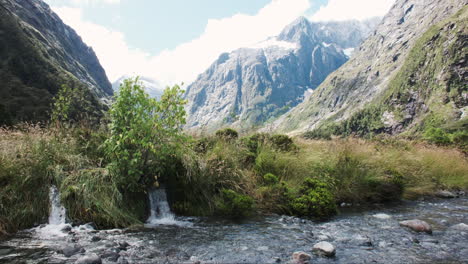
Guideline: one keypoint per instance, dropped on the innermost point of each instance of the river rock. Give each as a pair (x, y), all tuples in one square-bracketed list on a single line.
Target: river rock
[(446, 194), (461, 227), (417, 225), (96, 239), (382, 216), (69, 251), (123, 245), (66, 228), (301, 257), (111, 256), (324, 249), (90, 259)]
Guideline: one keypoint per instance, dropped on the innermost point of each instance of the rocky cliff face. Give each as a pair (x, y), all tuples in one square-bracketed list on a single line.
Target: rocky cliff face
[(380, 68), (247, 87), (39, 53)]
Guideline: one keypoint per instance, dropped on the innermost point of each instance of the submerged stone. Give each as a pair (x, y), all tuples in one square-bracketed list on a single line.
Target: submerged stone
[(301, 257), (90, 259), (417, 225)]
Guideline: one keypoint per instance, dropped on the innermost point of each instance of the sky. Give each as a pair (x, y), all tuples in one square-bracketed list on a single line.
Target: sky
[(173, 41)]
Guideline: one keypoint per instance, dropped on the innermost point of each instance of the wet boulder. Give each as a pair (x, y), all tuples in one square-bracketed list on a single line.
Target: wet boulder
[(446, 194), (89, 259), (66, 228), (460, 227), (69, 251), (324, 249), (96, 239), (301, 257), (123, 245), (417, 225)]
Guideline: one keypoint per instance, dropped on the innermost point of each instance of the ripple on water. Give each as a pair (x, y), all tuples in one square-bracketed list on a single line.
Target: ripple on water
[(359, 237)]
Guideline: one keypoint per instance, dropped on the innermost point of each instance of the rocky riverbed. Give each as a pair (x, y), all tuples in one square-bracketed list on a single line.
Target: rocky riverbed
[(357, 236)]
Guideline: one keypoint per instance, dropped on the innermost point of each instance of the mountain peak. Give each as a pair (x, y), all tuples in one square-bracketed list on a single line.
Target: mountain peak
[(295, 30)]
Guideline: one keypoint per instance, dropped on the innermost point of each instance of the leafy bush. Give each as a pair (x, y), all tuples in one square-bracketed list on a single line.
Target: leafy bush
[(315, 200), (143, 132), (234, 205), (282, 142), (227, 133)]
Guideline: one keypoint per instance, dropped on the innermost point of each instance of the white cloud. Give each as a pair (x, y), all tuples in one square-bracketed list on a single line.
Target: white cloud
[(110, 46), (339, 10), (186, 61)]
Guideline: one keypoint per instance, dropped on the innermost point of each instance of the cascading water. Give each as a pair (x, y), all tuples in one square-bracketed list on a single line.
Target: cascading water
[(57, 225), (57, 211), (160, 213)]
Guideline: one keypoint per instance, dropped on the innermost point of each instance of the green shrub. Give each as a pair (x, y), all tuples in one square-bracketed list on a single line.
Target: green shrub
[(270, 179), (144, 133), (315, 200), (275, 198), (282, 142), (437, 136), (233, 204), (227, 133)]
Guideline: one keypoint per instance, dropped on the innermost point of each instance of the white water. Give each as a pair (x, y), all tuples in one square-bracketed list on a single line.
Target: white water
[(160, 212), (57, 211), (57, 217)]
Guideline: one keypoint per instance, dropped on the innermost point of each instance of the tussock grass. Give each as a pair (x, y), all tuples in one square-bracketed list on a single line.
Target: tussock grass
[(33, 158)]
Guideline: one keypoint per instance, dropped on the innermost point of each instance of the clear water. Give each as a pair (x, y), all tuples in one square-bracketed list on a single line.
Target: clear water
[(360, 236)]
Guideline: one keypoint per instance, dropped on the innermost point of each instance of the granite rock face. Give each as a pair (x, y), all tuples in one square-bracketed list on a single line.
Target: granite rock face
[(250, 85), (369, 75)]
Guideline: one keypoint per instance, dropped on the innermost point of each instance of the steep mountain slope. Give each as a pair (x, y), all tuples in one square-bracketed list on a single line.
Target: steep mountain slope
[(378, 73), (248, 86), (38, 53), (153, 87)]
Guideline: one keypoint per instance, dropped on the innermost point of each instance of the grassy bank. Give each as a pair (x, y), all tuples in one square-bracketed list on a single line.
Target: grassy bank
[(33, 158), (224, 175), (277, 174)]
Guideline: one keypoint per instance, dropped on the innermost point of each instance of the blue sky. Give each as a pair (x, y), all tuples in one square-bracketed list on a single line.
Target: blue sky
[(175, 40)]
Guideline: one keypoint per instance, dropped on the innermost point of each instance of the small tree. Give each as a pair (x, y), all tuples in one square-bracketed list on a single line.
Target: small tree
[(143, 132)]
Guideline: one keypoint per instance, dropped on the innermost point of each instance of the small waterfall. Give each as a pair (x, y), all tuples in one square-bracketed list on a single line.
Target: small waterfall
[(160, 213), (57, 211)]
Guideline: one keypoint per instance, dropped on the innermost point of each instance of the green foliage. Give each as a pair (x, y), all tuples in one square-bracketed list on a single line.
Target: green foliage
[(233, 204), (92, 195), (437, 136), (143, 133), (316, 200), (282, 142), (270, 179), (363, 123), (227, 133), (61, 105)]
